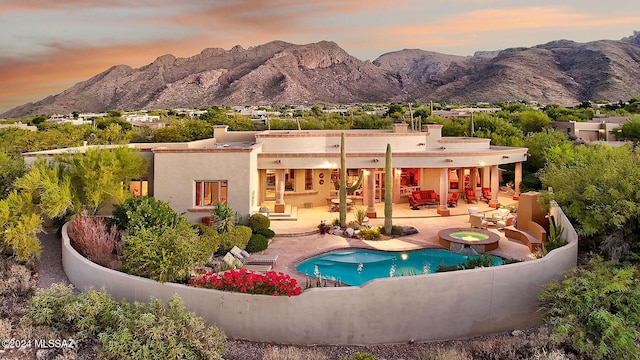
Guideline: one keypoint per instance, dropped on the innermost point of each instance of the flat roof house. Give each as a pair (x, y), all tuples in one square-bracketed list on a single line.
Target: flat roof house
[(249, 169)]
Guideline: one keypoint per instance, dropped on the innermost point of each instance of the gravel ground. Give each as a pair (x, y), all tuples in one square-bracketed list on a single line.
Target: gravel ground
[(50, 271)]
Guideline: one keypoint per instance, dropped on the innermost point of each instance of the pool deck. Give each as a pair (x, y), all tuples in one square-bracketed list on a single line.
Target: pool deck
[(298, 240)]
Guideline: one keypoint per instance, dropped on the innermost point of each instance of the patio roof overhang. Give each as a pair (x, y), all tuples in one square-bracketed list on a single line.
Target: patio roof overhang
[(421, 159)]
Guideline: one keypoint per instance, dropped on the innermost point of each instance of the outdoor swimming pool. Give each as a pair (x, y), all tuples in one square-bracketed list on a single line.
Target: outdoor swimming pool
[(357, 266)]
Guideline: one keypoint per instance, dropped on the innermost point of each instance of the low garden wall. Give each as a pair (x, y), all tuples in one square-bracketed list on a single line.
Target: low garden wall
[(416, 308)]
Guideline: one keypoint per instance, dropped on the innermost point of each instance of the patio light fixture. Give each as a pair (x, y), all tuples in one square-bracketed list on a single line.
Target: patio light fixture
[(448, 160), (505, 156), (278, 161), (376, 160)]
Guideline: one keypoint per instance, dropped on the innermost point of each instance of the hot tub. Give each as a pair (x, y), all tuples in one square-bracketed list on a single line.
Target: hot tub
[(459, 239)]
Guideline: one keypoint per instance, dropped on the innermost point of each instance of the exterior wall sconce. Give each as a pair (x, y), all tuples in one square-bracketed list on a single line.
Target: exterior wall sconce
[(442, 148), (336, 145), (448, 160), (422, 144), (376, 160), (505, 156), (278, 161)]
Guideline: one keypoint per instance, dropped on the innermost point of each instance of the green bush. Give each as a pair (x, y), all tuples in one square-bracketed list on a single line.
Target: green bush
[(167, 256), (259, 222), (595, 310), (209, 235), (257, 243), (471, 263), (395, 230), (145, 213), (237, 236), (268, 233), (126, 330), (369, 234)]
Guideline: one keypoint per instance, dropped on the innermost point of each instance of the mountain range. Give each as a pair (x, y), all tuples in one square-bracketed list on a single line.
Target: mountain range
[(562, 72)]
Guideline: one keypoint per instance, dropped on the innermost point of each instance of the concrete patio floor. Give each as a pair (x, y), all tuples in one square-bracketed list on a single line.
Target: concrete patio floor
[(299, 239)]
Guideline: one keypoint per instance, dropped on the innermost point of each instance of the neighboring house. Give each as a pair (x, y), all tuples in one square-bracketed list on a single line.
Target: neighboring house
[(141, 118), (598, 129), (282, 169)]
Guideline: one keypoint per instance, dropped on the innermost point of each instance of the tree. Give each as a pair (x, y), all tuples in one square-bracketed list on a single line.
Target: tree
[(11, 167), (533, 121), (594, 310), (99, 176), (630, 130), (45, 189), (597, 187)]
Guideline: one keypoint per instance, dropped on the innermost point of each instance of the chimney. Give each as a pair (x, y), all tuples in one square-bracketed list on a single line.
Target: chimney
[(400, 127)]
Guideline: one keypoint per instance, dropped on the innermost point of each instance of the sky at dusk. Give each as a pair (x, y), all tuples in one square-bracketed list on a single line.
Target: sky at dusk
[(46, 46)]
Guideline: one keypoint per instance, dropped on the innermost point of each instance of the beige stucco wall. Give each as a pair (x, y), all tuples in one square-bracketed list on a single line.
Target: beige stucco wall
[(417, 308), (176, 173)]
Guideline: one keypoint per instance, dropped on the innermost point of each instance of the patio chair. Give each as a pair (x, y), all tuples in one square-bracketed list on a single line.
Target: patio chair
[(486, 194), (253, 259), (508, 221), (478, 221), (470, 194), (453, 200), (473, 211), (501, 214)]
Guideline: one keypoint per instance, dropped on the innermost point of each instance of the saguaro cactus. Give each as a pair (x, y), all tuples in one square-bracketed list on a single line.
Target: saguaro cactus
[(388, 191), (343, 183)]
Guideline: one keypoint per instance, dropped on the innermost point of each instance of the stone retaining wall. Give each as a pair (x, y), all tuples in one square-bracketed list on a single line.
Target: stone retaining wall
[(416, 308)]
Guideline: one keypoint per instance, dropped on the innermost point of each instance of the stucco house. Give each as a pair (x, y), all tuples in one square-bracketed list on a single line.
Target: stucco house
[(284, 169)]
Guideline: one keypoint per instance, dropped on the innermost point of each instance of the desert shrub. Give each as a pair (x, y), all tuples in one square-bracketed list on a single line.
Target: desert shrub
[(145, 213), (126, 330), (208, 234), (595, 310), (237, 236), (292, 353), (91, 237), (167, 256), (259, 222), (224, 219), (257, 243), (268, 233), (369, 233), (17, 285), (446, 354), (360, 356)]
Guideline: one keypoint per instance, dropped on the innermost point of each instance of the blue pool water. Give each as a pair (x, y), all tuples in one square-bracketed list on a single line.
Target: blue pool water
[(357, 266)]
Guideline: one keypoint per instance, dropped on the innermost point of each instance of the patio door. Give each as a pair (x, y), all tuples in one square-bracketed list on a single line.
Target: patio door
[(379, 191), (270, 185)]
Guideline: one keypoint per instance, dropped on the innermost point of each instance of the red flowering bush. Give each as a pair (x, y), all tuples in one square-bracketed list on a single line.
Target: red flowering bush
[(271, 283)]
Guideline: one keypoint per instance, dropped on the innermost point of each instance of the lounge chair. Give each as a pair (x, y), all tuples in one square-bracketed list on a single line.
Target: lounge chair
[(453, 200), (470, 194), (486, 194), (478, 221), (258, 268), (253, 259)]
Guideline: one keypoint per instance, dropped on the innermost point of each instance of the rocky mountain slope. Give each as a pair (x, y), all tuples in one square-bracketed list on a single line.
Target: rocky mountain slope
[(561, 72)]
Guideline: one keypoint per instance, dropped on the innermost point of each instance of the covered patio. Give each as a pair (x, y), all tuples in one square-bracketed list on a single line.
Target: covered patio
[(299, 239)]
